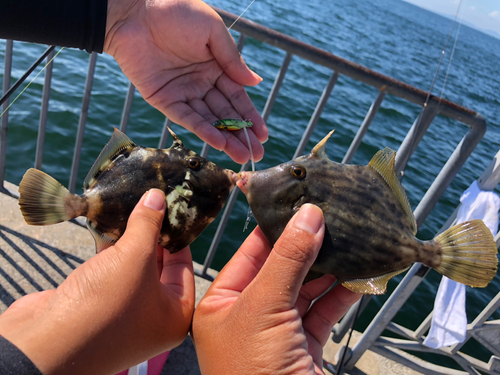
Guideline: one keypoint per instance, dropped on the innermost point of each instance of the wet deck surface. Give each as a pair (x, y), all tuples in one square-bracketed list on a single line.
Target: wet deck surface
[(33, 259)]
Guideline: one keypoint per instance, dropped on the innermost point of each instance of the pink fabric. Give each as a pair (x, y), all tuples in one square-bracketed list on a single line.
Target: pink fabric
[(155, 365)]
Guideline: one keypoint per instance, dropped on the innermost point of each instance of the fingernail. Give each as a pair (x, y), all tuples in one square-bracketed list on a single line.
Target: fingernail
[(155, 199), (309, 218), (257, 76)]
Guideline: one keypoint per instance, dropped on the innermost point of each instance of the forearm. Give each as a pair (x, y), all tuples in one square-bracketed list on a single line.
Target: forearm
[(77, 23)]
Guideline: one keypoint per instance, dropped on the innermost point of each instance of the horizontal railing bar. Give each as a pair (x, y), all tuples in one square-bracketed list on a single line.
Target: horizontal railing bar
[(413, 362), (348, 68)]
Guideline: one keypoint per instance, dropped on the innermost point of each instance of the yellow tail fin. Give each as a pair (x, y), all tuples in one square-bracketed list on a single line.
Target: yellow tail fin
[(42, 199), (469, 254)]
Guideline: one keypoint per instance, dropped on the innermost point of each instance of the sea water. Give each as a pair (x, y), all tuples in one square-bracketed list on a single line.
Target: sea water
[(389, 36)]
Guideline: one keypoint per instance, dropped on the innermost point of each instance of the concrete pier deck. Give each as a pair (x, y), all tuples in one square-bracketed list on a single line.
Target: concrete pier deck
[(33, 259)]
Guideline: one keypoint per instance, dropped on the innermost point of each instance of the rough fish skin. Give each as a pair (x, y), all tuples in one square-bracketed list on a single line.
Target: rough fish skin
[(195, 189), (370, 229)]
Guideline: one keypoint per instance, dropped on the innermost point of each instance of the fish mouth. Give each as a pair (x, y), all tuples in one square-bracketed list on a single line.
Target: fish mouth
[(233, 177), (241, 180), (298, 203)]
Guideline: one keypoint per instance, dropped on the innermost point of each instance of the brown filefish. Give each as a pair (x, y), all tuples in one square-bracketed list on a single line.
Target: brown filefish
[(370, 227), (195, 188)]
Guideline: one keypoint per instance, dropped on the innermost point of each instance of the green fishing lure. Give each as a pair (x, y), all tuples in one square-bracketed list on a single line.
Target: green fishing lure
[(232, 124)]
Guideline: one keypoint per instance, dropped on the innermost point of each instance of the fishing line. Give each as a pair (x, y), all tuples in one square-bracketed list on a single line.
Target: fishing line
[(429, 93), (341, 362), (237, 19), (451, 56), (249, 214), (28, 72)]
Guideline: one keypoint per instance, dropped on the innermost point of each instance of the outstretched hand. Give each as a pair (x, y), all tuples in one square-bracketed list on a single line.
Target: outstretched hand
[(184, 62), (127, 304), (257, 317)]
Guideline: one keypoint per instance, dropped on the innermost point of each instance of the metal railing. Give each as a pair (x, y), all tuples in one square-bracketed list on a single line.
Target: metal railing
[(338, 67)]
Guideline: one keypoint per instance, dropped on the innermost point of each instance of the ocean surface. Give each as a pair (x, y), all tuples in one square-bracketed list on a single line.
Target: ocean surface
[(389, 36)]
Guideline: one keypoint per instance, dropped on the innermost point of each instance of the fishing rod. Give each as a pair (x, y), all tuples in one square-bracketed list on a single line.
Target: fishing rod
[(26, 74)]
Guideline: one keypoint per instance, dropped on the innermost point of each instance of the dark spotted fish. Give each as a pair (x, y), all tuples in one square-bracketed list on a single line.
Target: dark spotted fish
[(370, 227), (195, 188)]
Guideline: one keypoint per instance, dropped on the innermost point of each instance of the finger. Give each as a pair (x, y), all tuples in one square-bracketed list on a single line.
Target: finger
[(183, 114), (143, 227), (177, 273), (203, 109), (236, 141), (257, 148), (327, 311), (225, 51), (243, 266), (281, 277), (239, 99), (311, 291)]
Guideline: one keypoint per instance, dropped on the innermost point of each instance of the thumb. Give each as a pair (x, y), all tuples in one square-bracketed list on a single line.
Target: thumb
[(144, 224), (280, 279)]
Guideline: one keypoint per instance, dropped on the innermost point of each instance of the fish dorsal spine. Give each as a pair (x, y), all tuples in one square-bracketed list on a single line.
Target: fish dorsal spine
[(319, 149), (177, 140), (118, 142), (384, 163)]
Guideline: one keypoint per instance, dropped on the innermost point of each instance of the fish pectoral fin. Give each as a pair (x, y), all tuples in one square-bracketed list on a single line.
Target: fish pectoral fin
[(372, 285), (384, 163), (102, 241), (118, 142)]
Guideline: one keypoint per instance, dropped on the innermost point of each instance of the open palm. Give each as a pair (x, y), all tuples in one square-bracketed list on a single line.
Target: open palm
[(185, 63)]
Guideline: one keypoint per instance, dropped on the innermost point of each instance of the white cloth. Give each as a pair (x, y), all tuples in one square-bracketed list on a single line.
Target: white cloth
[(140, 369), (449, 320)]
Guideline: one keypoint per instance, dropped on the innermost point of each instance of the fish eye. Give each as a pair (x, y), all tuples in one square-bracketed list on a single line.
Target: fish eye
[(194, 164), (298, 171)]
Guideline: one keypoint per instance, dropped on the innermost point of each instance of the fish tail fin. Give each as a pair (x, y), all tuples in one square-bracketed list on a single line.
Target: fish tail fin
[(469, 254), (44, 201)]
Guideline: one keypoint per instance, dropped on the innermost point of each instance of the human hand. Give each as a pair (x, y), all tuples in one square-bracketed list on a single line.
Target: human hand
[(257, 317), (127, 304), (184, 62)]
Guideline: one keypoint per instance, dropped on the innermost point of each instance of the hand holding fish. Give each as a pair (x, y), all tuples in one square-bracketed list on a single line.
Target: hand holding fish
[(185, 63), (123, 306), (257, 316)]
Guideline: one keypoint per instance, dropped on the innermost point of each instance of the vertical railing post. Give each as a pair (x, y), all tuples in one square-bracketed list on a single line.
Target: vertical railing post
[(415, 135), (165, 133), (220, 229), (83, 121), (276, 87), (449, 171), (5, 118), (316, 115), (42, 125), (126, 107), (364, 127)]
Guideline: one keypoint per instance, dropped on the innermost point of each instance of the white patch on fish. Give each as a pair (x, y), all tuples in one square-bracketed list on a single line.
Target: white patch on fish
[(178, 206)]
